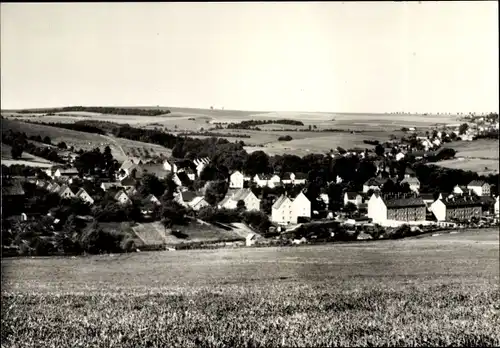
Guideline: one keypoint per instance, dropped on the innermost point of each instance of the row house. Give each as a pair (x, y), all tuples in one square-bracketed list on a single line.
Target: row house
[(397, 207), (269, 180), (234, 196), (287, 211), (294, 178), (479, 187), (461, 208)]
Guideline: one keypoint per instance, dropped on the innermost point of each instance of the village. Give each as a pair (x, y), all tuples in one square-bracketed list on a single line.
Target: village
[(391, 197)]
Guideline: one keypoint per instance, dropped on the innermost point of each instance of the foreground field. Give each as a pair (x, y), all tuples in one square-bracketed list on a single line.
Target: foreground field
[(419, 292)]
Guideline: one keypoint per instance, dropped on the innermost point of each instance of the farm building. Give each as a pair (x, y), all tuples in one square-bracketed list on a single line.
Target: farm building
[(236, 180), (397, 207), (457, 208)]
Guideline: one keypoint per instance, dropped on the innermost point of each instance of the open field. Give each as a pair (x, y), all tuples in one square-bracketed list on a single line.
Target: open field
[(481, 148), (379, 126), (481, 166), (86, 141), (433, 291), (26, 159)]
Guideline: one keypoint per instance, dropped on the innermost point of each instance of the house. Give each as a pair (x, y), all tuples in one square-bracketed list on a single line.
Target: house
[(55, 172), (462, 208), (354, 198), (250, 239), (234, 196), (170, 166), (151, 199), (105, 186), (128, 182), (496, 207), (410, 173), (374, 184), (287, 211), (200, 164), (190, 199), (181, 178), (84, 196), (65, 192), (294, 178), (413, 182), (154, 169), (236, 180), (399, 156), (126, 168), (122, 197), (131, 191), (460, 190), (263, 180), (53, 187), (397, 207), (479, 187), (324, 197), (189, 172)]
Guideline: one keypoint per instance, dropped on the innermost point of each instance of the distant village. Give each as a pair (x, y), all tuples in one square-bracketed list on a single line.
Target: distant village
[(387, 199)]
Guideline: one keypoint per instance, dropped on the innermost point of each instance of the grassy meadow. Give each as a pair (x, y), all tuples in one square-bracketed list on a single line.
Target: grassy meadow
[(432, 291), (26, 159)]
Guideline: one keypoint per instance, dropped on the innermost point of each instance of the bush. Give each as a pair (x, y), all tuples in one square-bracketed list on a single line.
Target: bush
[(285, 138)]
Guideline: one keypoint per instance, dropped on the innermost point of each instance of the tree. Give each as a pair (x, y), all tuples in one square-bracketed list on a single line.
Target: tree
[(463, 128), (16, 151), (350, 208), (257, 163), (240, 205), (379, 150), (389, 186), (47, 140), (150, 184), (215, 192), (62, 145)]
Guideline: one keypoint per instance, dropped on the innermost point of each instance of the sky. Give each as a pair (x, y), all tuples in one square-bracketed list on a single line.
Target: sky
[(296, 56)]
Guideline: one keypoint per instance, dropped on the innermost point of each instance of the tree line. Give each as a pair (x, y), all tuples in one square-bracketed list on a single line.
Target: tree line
[(248, 124), (99, 109)]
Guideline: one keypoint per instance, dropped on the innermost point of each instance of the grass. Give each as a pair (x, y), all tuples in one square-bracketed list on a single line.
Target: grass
[(86, 141), (26, 159), (481, 148), (415, 292), (482, 166)]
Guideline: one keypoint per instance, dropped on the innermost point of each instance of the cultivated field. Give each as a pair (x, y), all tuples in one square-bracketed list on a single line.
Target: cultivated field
[(86, 141), (26, 159), (379, 126), (434, 291), (481, 166)]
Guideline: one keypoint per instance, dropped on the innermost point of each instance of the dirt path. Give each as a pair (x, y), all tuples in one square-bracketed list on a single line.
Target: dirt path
[(113, 140)]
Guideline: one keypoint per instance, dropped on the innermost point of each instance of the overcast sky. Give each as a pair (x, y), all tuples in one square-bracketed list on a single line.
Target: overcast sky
[(352, 57)]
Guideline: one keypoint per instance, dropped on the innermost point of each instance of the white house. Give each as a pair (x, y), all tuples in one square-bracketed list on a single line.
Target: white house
[(287, 211), (107, 185), (399, 156), (190, 199), (294, 178), (170, 166), (263, 180), (479, 187), (200, 164), (496, 207), (353, 197), (250, 239), (122, 198), (84, 196), (198, 202), (324, 197), (246, 195), (374, 184), (189, 172), (461, 190), (236, 180), (413, 182)]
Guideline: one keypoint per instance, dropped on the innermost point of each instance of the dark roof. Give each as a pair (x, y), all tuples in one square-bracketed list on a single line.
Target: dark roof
[(376, 181), (128, 182), (487, 200), (477, 183), (265, 176), (427, 196), (352, 195), (462, 201), (286, 176), (188, 196), (403, 201), (300, 176), (184, 178)]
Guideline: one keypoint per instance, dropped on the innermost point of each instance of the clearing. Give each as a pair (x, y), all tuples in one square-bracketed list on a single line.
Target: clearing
[(433, 291), (26, 159)]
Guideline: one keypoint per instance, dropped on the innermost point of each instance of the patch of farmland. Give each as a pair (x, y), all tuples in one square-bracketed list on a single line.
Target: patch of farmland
[(481, 148), (481, 166), (86, 141), (384, 293), (26, 159)]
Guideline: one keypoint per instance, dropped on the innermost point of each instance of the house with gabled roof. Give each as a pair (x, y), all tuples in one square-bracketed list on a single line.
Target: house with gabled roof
[(53, 187), (462, 208), (122, 197), (374, 184), (461, 190), (236, 180), (151, 199), (496, 207), (65, 192), (287, 211), (190, 199), (56, 171), (128, 182), (189, 172), (269, 180), (84, 196), (355, 198), (479, 187), (294, 178), (385, 208), (105, 186), (234, 196)]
